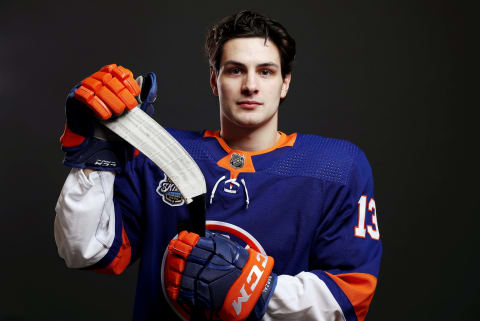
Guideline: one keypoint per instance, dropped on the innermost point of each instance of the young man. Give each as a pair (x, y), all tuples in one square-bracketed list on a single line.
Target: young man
[(292, 220)]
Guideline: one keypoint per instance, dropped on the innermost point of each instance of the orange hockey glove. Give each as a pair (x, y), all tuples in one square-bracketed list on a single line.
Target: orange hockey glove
[(106, 93), (217, 274)]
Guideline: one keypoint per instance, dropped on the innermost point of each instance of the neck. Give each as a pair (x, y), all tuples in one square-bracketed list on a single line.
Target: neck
[(250, 139)]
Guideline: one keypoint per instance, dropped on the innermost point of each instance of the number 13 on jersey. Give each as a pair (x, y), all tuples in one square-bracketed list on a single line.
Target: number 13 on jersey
[(361, 229)]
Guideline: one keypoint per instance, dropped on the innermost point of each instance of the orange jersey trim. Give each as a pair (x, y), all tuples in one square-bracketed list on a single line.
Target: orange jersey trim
[(284, 141), (247, 167), (359, 289), (121, 261)]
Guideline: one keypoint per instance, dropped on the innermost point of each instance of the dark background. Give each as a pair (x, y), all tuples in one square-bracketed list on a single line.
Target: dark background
[(388, 76)]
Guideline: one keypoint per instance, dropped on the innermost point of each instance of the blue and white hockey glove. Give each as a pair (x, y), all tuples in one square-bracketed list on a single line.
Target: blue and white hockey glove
[(217, 274), (104, 94)]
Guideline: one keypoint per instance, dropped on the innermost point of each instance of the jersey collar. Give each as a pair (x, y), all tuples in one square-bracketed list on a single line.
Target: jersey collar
[(284, 141), (246, 157)]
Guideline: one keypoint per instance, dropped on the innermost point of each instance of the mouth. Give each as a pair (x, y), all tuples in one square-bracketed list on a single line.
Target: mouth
[(249, 104)]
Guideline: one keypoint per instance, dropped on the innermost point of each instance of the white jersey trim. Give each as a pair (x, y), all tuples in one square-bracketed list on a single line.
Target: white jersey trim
[(303, 297), (85, 218)]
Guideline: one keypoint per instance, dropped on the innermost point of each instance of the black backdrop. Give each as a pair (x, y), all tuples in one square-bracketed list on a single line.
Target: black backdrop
[(385, 75)]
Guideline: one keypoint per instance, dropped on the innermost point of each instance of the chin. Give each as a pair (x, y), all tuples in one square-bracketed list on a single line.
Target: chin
[(248, 120), (249, 123)]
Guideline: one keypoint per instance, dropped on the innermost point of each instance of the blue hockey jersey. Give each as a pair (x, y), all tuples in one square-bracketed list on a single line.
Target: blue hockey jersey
[(308, 202)]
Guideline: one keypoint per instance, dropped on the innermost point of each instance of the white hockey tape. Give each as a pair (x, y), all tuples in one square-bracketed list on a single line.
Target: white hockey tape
[(145, 134)]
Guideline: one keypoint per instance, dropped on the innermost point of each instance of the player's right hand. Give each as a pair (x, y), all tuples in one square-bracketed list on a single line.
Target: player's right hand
[(109, 91), (102, 95)]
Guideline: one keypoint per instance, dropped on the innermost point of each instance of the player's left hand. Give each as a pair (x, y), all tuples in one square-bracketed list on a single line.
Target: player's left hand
[(216, 273)]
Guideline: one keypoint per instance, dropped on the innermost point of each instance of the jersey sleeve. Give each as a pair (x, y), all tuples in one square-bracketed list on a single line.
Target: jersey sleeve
[(98, 220), (344, 258), (84, 225), (128, 211)]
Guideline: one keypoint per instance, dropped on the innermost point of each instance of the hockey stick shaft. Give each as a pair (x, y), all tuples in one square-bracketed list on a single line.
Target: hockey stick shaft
[(150, 138)]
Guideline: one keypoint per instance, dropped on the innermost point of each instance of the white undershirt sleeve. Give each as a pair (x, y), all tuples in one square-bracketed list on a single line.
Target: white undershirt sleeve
[(84, 225), (302, 297)]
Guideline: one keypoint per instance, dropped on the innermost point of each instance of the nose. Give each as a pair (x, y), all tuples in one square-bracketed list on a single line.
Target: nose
[(249, 85)]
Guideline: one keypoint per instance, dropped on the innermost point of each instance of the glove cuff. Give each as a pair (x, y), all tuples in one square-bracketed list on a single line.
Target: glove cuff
[(262, 303), (247, 289), (99, 155), (148, 95)]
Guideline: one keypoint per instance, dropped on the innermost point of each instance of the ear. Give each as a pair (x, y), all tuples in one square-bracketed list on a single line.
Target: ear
[(285, 85), (213, 81)]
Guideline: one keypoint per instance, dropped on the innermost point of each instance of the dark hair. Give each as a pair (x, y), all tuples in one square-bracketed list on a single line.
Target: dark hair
[(249, 24)]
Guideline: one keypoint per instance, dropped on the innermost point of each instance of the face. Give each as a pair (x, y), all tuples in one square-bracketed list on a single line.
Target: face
[(249, 83)]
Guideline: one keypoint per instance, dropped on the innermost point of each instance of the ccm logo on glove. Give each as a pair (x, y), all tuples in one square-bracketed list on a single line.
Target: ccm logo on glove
[(255, 271)]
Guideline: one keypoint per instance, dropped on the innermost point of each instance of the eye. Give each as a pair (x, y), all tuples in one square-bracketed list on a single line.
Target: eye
[(234, 71), (266, 72)]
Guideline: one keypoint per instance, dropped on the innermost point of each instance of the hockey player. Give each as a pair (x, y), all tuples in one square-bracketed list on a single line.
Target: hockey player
[(291, 219)]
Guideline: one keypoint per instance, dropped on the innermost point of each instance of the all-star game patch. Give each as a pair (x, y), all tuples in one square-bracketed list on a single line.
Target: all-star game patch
[(169, 192)]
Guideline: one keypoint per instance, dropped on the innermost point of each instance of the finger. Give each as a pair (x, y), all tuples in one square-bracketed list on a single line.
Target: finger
[(104, 77), (132, 86), (109, 91), (88, 97), (123, 93), (174, 278), (92, 83), (126, 96), (176, 263), (108, 68), (111, 100), (121, 72), (126, 78), (96, 84), (179, 248), (189, 238), (172, 292), (99, 79)]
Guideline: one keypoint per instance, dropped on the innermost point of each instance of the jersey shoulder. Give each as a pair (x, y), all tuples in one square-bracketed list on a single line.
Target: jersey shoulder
[(328, 159), (192, 141)]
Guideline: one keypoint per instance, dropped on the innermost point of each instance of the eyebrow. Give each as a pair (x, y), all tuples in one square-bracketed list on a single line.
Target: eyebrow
[(236, 63)]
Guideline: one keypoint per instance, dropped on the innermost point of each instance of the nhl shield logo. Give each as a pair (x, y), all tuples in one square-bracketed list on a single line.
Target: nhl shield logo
[(237, 160), (169, 192)]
